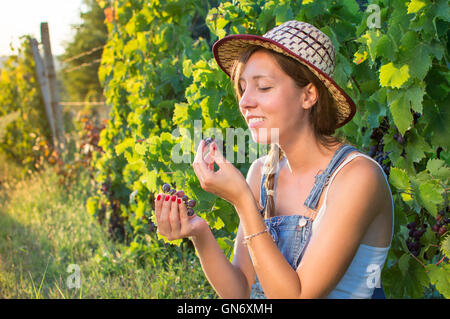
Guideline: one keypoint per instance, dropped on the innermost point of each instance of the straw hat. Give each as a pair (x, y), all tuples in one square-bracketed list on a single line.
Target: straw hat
[(299, 40)]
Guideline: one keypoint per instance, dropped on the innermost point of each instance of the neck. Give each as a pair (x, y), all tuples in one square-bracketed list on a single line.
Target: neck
[(304, 154)]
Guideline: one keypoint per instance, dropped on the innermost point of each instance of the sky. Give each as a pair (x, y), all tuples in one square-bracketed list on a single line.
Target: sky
[(20, 17)]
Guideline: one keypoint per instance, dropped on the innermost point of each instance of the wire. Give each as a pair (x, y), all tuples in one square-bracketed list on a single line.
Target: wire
[(83, 54), (82, 65)]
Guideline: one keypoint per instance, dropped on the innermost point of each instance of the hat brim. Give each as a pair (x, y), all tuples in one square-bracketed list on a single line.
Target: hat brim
[(228, 49)]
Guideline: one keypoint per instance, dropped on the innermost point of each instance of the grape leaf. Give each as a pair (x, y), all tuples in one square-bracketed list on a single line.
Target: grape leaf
[(430, 195), (415, 96), (401, 113), (438, 169), (416, 54), (445, 246), (385, 48), (415, 5), (399, 178), (392, 76), (440, 277), (417, 146)]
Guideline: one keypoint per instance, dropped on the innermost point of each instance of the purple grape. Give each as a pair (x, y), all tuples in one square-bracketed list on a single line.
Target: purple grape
[(411, 225), (190, 211), (180, 194), (435, 228), (208, 141), (166, 188), (372, 151), (172, 191), (192, 203), (185, 198)]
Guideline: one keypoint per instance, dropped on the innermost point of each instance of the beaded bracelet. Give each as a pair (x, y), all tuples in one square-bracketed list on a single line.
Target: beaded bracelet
[(247, 238)]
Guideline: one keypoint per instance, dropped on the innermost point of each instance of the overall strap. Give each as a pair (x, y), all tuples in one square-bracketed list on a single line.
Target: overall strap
[(322, 180)]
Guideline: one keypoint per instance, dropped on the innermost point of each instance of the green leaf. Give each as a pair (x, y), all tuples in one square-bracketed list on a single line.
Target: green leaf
[(415, 96), (445, 246), (401, 113), (417, 146), (141, 148), (92, 205), (416, 54), (437, 119), (399, 178), (415, 5), (430, 194), (403, 264), (149, 179), (438, 169), (127, 143), (393, 77), (385, 48), (187, 68), (440, 277)]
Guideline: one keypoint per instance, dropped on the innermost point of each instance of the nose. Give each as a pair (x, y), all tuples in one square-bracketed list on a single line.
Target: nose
[(247, 99)]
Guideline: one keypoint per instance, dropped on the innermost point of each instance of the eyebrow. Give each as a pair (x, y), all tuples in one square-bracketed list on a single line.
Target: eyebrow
[(255, 77)]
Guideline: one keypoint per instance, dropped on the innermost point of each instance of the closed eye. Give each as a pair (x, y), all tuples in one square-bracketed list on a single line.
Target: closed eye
[(265, 88)]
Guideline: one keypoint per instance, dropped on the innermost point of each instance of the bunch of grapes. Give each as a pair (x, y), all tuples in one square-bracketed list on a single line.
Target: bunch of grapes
[(190, 203), (413, 242), (377, 151), (441, 221)]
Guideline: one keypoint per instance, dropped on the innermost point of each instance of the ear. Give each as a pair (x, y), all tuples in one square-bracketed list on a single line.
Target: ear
[(310, 95)]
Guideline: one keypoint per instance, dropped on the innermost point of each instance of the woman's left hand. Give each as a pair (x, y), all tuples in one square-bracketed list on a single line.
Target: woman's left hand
[(227, 183)]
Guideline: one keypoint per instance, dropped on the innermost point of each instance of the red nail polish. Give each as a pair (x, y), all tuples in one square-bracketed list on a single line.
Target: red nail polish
[(174, 198), (167, 198), (159, 197), (179, 200)]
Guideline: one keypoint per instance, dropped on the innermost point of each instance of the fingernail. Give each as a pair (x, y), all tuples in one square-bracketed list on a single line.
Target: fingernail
[(179, 200), (167, 198), (159, 197), (174, 198)]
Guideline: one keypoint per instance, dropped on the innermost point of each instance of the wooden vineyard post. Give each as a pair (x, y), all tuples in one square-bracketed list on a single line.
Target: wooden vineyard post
[(54, 97), (45, 90)]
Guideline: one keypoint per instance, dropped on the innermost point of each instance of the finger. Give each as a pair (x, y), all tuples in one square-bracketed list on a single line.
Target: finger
[(217, 155), (164, 224), (199, 165), (174, 217), (209, 160), (158, 205), (184, 219)]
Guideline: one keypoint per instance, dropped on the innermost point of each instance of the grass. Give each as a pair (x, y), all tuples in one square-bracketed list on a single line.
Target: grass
[(45, 228)]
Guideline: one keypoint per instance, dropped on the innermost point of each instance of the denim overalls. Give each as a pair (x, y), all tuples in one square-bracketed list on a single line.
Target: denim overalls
[(292, 233)]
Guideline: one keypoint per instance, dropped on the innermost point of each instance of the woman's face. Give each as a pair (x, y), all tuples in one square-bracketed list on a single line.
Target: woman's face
[(270, 94)]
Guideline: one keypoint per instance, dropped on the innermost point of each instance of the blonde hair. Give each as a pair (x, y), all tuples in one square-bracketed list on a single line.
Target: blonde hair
[(323, 115)]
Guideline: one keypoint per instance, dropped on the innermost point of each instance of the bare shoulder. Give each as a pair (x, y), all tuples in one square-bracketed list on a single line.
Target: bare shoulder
[(362, 178)]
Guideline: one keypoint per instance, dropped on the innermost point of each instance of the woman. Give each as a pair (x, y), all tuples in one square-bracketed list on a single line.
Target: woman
[(328, 209)]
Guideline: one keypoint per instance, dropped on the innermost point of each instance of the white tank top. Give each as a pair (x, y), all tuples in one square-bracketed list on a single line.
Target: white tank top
[(363, 274)]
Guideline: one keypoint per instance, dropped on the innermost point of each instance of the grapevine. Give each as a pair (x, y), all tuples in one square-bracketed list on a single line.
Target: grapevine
[(160, 76)]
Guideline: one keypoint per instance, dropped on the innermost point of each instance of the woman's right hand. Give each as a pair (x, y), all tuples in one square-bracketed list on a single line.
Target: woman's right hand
[(173, 221)]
